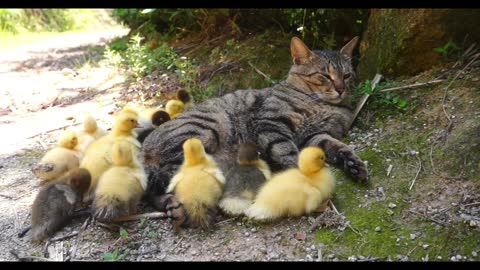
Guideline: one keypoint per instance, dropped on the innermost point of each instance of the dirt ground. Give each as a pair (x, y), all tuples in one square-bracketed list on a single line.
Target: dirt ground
[(46, 84)]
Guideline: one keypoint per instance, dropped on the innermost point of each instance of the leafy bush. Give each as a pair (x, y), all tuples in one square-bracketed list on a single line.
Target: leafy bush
[(380, 98)]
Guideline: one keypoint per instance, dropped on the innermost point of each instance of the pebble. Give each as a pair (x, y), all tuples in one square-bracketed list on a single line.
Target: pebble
[(453, 259), (331, 256), (413, 152), (263, 250), (308, 249), (254, 230), (247, 234), (216, 254), (413, 236), (194, 252), (352, 258), (473, 223), (378, 229), (392, 205), (239, 224), (312, 247), (309, 257), (459, 257), (425, 246), (390, 212), (474, 254)]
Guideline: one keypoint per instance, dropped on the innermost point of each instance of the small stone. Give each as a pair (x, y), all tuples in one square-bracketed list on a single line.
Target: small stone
[(453, 259), (308, 249), (312, 247), (378, 229), (247, 234), (194, 252), (388, 160), (331, 256), (253, 230), (473, 223), (398, 239), (216, 254), (459, 257), (263, 250), (361, 257), (309, 257), (425, 246), (392, 205), (464, 257), (474, 254), (352, 258), (390, 212), (413, 152), (439, 257), (413, 236), (239, 224)]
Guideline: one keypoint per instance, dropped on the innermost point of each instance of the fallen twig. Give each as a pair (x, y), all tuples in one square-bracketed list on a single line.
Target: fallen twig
[(418, 172), (411, 86), (430, 218), (6, 196), (471, 204), (75, 246), (225, 221), (28, 258), (140, 216), (365, 97), (64, 237), (348, 223), (62, 127), (260, 72), (412, 250)]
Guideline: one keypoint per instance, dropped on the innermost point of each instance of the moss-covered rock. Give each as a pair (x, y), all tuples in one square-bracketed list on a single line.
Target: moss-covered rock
[(401, 41)]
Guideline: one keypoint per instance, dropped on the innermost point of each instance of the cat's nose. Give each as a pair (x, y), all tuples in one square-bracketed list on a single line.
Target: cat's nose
[(339, 87)]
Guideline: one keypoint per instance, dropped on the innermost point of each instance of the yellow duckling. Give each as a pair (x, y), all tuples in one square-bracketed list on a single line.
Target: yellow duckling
[(158, 118), (59, 160), (198, 184), (295, 192), (98, 156), (244, 180), (88, 134), (121, 187), (174, 108)]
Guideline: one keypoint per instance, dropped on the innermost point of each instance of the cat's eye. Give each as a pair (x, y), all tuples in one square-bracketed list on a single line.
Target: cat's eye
[(327, 76), (346, 76)]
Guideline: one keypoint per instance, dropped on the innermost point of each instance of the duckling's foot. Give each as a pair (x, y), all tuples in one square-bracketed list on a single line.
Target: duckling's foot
[(353, 165), (176, 212), (322, 207)]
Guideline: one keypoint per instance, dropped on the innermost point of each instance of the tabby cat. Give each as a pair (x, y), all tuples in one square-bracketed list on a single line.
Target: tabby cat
[(308, 108)]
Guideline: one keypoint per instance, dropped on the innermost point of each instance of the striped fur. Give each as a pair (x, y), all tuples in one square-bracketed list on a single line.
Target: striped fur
[(308, 108)]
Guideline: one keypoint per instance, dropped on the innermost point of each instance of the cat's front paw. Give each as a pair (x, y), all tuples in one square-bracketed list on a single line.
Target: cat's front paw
[(353, 165)]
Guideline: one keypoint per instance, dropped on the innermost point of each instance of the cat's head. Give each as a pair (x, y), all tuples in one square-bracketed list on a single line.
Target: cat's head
[(327, 75)]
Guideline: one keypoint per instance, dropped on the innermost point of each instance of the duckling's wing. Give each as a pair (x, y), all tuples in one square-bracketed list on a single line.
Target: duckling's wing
[(216, 172), (173, 182)]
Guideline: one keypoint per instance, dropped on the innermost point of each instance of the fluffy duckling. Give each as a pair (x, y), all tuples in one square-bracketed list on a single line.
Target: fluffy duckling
[(59, 160), (158, 118), (88, 134), (174, 107), (197, 185), (295, 192), (121, 187), (98, 156), (185, 97), (244, 180), (55, 203)]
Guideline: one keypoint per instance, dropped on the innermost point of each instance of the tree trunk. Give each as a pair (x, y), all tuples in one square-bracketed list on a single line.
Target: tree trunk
[(401, 41)]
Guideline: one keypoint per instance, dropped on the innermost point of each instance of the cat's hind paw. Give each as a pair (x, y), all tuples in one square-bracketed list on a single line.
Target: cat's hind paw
[(354, 166)]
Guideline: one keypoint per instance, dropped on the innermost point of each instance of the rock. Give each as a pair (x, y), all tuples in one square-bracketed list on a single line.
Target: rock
[(474, 254), (253, 230), (194, 252), (459, 257), (413, 236), (301, 236), (312, 247), (331, 256), (425, 246), (392, 205), (473, 223), (247, 234), (378, 229), (439, 257), (309, 257), (390, 212), (352, 258), (308, 249)]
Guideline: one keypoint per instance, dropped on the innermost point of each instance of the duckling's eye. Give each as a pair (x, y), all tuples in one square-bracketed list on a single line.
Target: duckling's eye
[(131, 120)]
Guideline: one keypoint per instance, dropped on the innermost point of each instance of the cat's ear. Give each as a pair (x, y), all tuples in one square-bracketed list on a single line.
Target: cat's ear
[(348, 48), (300, 52)]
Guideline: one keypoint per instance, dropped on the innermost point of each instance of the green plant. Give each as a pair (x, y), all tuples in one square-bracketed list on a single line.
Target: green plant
[(448, 49), (152, 235), (123, 233), (114, 256), (380, 98)]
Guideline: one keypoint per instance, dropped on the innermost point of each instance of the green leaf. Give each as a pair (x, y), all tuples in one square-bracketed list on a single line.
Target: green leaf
[(123, 233), (403, 103)]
